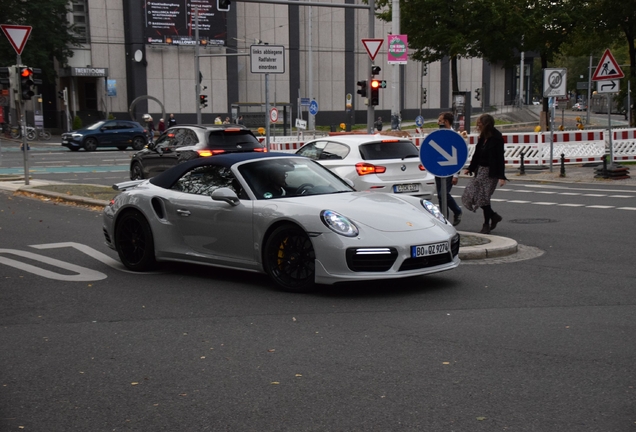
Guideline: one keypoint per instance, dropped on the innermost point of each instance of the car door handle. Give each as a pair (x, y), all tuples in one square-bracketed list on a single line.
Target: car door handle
[(183, 212)]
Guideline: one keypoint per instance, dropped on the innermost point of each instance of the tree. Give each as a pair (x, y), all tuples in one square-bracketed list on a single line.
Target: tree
[(51, 37), (437, 29)]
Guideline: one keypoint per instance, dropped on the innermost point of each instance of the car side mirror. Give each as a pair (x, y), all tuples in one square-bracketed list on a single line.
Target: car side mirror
[(227, 195)]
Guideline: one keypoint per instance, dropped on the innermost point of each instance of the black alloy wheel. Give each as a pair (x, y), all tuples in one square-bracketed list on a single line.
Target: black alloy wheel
[(90, 144), (136, 173), (135, 245), (289, 259), (138, 143)]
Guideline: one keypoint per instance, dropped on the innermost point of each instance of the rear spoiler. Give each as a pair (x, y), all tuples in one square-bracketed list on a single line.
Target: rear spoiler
[(127, 185)]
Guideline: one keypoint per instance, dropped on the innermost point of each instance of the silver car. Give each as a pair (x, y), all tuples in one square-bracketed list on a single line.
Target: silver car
[(279, 214), (377, 163)]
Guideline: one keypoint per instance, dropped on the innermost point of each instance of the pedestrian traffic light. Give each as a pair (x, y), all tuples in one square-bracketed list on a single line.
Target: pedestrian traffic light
[(424, 95), (375, 92), (27, 84), (223, 5), (375, 70), (362, 91), (478, 94), (203, 101)]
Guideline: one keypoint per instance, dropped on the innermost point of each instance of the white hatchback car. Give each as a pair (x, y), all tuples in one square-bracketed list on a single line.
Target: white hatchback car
[(377, 163)]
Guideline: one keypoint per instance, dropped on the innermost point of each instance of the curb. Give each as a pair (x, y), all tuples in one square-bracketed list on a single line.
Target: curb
[(497, 247)]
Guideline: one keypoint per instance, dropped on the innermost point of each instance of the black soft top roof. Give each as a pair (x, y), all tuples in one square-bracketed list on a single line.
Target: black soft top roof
[(168, 178)]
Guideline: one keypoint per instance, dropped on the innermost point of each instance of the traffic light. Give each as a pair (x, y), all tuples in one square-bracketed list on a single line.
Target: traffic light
[(223, 5), (62, 94), (424, 95), (478, 94), (5, 77), (27, 85), (375, 92), (375, 70), (203, 101), (362, 91)]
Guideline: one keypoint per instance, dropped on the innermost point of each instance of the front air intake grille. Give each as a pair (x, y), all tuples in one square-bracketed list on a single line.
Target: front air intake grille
[(425, 262), (455, 245), (371, 259)]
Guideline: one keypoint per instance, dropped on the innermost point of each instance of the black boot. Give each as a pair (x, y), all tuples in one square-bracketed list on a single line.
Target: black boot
[(495, 219), (485, 229)]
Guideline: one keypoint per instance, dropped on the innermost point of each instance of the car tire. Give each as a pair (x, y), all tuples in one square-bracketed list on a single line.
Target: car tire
[(136, 172), (289, 259), (134, 242), (138, 143), (122, 148), (90, 144)]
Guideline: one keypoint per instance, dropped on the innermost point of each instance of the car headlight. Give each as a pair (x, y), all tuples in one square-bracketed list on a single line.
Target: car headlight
[(434, 210), (76, 135), (338, 223)]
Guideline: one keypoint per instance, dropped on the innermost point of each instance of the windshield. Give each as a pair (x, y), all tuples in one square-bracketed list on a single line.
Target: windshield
[(388, 149), (230, 140), (290, 177)]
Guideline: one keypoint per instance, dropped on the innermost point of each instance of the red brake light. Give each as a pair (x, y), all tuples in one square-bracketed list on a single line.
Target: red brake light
[(421, 167), (389, 140), (206, 153), (363, 168), (233, 130), (260, 149)]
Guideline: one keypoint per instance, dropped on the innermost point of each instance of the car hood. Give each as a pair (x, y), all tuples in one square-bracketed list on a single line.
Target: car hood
[(380, 211)]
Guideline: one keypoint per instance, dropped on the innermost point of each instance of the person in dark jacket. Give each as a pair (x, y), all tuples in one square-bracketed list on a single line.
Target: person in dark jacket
[(489, 167), (172, 121)]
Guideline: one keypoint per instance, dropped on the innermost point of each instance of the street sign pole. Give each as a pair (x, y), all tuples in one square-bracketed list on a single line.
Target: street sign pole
[(267, 111)]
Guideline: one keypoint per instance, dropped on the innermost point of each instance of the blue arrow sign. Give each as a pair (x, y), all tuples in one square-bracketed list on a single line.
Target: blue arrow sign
[(443, 152), (313, 107), (419, 121)]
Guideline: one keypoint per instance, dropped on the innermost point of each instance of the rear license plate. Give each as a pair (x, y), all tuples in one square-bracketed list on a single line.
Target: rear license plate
[(411, 187), (426, 250)]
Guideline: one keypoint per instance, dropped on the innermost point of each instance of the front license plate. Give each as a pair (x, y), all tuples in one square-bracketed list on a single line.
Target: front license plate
[(426, 250), (411, 187)]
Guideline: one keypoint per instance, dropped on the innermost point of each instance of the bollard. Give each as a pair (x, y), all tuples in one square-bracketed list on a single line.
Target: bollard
[(605, 173), (562, 174), (522, 168)]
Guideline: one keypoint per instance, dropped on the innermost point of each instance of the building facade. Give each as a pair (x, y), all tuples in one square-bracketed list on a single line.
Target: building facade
[(138, 48)]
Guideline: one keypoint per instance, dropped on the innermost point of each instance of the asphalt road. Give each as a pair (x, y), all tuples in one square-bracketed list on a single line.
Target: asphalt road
[(539, 344)]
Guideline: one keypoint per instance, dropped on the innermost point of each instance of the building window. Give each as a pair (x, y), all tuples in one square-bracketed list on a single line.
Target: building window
[(79, 18)]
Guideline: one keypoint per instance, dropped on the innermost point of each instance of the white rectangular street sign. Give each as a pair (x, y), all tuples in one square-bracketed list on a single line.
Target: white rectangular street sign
[(301, 124), (267, 59), (608, 86), (554, 82)]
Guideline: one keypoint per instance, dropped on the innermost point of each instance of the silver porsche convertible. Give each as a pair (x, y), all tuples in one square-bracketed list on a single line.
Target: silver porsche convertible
[(279, 214)]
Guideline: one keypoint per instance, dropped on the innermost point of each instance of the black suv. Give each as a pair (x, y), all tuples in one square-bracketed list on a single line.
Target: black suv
[(182, 143)]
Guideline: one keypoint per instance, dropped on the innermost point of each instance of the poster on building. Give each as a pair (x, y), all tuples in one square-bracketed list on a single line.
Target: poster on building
[(111, 88), (171, 22), (398, 51)]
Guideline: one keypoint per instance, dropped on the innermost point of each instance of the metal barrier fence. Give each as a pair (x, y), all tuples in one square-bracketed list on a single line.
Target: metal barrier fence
[(577, 147)]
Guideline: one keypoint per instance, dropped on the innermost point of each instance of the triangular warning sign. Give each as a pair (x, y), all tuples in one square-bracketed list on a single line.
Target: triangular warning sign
[(17, 35), (372, 46), (607, 68)]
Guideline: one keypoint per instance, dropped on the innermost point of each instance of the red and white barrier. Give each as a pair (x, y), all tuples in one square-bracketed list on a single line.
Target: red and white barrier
[(576, 146)]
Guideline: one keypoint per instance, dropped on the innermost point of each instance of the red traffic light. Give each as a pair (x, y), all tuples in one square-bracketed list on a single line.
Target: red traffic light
[(375, 84), (26, 72)]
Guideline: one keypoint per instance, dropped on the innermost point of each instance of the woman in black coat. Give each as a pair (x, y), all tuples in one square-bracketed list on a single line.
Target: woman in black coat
[(489, 167)]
